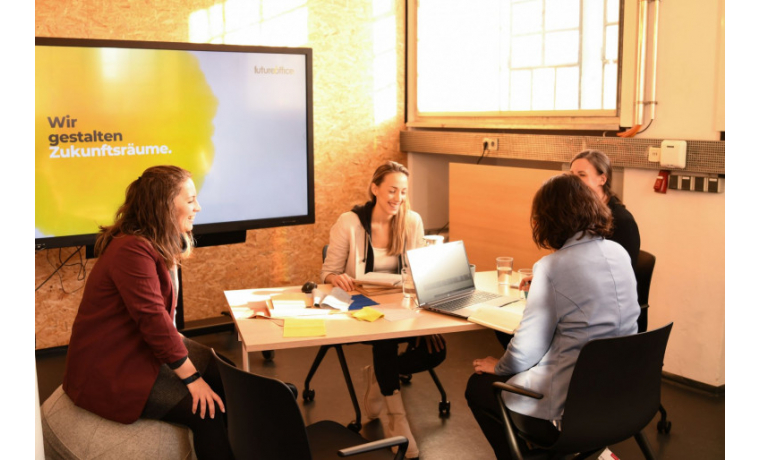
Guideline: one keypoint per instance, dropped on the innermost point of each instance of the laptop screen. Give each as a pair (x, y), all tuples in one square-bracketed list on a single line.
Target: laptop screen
[(440, 271)]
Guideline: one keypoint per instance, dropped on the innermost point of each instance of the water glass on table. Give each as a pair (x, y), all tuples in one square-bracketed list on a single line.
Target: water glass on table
[(407, 284), (504, 269), (521, 275)]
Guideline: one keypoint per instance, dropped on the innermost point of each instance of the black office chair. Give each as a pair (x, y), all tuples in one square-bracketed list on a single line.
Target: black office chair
[(643, 270), (264, 422), (613, 394), (444, 405)]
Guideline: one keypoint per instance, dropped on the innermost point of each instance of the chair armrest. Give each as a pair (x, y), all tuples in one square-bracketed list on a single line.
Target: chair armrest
[(517, 390), (399, 441)]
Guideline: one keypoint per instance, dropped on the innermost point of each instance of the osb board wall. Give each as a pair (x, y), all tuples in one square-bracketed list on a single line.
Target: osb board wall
[(348, 146)]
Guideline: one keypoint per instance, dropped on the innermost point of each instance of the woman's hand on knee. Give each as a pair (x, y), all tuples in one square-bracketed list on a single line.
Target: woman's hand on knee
[(204, 397), (487, 365)]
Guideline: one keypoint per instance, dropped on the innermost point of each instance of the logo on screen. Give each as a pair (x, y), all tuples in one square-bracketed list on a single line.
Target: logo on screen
[(274, 70)]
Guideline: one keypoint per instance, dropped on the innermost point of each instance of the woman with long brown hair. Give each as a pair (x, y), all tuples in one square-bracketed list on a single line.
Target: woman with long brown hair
[(126, 360), (595, 170), (374, 237)]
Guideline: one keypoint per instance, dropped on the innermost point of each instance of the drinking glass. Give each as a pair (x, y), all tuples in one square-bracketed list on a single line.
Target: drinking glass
[(504, 269)]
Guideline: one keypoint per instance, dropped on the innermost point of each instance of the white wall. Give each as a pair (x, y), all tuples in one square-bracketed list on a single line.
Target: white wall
[(684, 230)]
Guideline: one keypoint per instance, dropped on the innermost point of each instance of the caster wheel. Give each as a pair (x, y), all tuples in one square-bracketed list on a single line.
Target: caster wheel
[(308, 395), (405, 379), (356, 427), (444, 409), (268, 355), (663, 427)]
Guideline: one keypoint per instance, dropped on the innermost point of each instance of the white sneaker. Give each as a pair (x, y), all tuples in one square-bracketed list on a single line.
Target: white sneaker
[(373, 398)]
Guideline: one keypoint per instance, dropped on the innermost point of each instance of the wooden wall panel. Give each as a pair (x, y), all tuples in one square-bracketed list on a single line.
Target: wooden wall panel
[(349, 142), (489, 209)]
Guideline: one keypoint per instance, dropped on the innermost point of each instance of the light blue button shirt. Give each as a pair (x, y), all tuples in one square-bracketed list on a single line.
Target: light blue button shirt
[(586, 290)]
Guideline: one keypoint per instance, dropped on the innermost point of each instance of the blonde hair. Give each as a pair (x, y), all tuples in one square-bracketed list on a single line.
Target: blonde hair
[(149, 212), (398, 222)]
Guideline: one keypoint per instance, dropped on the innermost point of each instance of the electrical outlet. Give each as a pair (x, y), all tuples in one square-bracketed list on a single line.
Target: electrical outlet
[(654, 154), (491, 144)]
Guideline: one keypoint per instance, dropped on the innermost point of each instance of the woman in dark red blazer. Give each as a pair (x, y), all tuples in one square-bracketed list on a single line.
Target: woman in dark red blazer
[(126, 359)]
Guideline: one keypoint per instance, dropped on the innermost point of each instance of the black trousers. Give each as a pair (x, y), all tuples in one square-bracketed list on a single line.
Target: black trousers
[(209, 435), (389, 363), (485, 409)]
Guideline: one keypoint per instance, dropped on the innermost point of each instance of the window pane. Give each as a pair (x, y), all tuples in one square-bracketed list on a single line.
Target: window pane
[(562, 48), (526, 51), (514, 55), (613, 10), (543, 89), (519, 92), (611, 43), (562, 14), (527, 17), (610, 86), (447, 64), (567, 88)]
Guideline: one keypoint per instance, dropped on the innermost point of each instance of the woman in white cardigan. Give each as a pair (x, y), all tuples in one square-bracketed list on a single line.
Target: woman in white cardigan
[(374, 237)]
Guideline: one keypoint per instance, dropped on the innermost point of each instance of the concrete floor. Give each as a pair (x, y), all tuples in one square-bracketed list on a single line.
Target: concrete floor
[(698, 418)]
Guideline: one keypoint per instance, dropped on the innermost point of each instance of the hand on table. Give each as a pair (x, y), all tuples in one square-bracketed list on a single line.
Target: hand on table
[(342, 281), (486, 365), (525, 283), (204, 397)]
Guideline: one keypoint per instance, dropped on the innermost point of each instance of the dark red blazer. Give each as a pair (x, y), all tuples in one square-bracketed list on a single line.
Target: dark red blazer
[(123, 331)]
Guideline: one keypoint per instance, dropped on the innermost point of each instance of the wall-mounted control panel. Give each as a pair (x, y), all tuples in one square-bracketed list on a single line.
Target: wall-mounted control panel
[(696, 183)]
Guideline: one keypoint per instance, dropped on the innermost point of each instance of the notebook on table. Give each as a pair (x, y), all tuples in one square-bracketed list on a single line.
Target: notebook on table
[(444, 284)]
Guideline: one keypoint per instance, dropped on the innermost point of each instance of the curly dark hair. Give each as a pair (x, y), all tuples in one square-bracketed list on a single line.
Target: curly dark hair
[(564, 206)]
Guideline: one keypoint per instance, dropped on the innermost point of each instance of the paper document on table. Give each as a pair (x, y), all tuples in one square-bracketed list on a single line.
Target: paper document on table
[(304, 327), (252, 310), (379, 279), (504, 319), (337, 299)]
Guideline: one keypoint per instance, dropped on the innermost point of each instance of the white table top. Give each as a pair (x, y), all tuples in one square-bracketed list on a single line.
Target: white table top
[(264, 334)]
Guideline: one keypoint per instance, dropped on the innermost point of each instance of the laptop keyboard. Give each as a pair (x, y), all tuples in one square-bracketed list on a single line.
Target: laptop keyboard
[(472, 299)]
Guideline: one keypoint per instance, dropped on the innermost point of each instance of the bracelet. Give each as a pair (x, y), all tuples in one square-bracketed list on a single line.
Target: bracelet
[(192, 378)]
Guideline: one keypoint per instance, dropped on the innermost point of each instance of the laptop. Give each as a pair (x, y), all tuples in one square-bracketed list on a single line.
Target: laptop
[(444, 283)]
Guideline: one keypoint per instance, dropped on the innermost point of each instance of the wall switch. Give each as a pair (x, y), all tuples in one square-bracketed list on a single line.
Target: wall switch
[(654, 154)]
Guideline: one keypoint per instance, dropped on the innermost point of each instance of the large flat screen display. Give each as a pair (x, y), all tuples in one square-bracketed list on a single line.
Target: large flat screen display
[(239, 118)]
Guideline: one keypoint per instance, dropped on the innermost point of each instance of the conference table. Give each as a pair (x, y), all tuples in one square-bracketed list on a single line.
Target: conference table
[(260, 334), (401, 319)]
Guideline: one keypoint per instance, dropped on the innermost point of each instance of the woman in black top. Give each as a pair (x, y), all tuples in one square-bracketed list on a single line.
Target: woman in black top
[(594, 168)]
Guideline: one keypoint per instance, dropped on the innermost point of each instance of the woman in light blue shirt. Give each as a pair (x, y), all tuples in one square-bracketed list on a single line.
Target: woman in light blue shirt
[(584, 290)]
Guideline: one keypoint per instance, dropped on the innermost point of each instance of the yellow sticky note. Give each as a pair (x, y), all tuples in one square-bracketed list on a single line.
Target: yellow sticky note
[(367, 314), (304, 327)]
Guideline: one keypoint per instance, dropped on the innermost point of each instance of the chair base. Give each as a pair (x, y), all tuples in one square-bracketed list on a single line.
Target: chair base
[(444, 405)]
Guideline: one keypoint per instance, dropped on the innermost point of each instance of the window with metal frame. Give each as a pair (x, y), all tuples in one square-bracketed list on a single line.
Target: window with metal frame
[(514, 63)]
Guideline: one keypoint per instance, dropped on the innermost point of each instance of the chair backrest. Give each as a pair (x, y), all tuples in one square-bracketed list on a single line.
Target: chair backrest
[(263, 418), (324, 252), (643, 271), (614, 391)]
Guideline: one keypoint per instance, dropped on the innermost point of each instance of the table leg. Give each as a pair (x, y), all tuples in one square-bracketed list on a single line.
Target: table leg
[(244, 357)]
